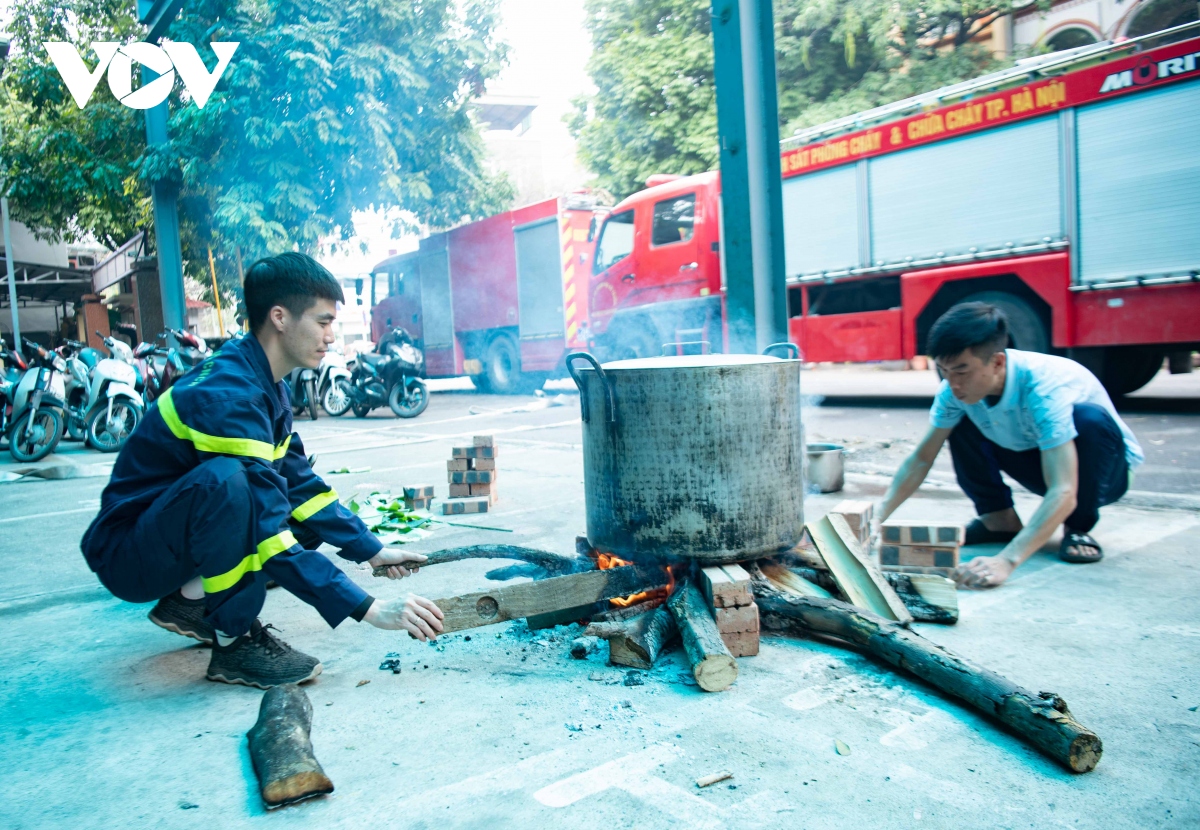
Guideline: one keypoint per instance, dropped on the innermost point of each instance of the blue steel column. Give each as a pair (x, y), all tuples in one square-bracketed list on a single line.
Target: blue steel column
[(752, 200)]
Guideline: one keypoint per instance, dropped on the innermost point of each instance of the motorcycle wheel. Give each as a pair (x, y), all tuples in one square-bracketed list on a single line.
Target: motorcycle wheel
[(360, 410), (76, 427), (408, 405), (336, 400), (310, 393), (108, 436), (47, 429)]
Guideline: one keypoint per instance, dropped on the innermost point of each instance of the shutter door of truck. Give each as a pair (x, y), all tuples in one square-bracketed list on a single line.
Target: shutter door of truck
[(539, 280), (1139, 184), (437, 313), (980, 191), (820, 221)]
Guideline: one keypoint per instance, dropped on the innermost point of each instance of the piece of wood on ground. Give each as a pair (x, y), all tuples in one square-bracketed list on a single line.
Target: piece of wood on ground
[(721, 590), (1042, 720), (578, 614), (918, 569), (928, 598), (472, 504), (858, 580), (858, 515), (709, 780), (281, 749), (618, 613), (555, 594), (786, 579), (712, 665), (554, 564), (908, 532), (637, 642)]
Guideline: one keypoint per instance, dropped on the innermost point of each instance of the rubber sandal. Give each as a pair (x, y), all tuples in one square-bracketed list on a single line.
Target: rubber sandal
[(1079, 541), (978, 534)]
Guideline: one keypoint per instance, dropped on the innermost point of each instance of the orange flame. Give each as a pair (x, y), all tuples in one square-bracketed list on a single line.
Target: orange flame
[(607, 560)]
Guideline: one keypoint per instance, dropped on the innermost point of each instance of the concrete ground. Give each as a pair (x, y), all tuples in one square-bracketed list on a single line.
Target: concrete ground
[(108, 720)]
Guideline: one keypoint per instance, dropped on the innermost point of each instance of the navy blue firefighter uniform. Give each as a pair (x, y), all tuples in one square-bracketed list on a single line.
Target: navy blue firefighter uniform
[(213, 483)]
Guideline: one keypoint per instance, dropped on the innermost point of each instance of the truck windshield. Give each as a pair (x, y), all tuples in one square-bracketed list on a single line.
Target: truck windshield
[(616, 241)]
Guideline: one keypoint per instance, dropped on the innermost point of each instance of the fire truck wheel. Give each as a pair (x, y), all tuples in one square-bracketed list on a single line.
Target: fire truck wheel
[(480, 382), (1025, 328), (502, 366), (1129, 368)]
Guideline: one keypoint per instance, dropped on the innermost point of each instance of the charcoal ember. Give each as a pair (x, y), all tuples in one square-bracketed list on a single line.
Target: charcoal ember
[(391, 663), (634, 678)]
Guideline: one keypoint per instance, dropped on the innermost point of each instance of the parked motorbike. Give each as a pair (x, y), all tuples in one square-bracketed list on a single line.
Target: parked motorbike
[(161, 366), (114, 406), (332, 395), (391, 378), (13, 368), (81, 359), (302, 387), (38, 408)]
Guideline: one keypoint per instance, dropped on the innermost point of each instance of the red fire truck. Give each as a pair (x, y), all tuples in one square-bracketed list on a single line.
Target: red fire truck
[(502, 299), (1065, 190)]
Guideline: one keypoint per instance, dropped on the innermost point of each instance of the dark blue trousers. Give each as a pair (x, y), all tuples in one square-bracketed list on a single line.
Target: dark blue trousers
[(203, 523), (1103, 469)]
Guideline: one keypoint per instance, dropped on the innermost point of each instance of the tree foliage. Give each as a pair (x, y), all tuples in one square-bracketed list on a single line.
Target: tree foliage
[(328, 106), (654, 109)]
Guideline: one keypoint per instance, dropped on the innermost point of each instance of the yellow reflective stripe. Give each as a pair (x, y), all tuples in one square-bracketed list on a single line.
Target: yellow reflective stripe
[(254, 562), (314, 505), (247, 447)]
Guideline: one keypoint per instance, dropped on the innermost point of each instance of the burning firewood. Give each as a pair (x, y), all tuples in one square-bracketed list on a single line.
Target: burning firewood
[(712, 665), (281, 750), (554, 564), (637, 642), (1043, 720)]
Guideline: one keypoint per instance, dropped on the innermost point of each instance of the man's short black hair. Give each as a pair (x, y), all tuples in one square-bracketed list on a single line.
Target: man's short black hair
[(980, 327), (294, 281)]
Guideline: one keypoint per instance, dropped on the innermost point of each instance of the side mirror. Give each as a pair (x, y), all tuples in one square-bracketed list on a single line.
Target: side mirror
[(358, 285)]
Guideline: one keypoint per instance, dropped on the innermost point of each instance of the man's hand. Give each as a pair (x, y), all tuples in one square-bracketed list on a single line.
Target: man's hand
[(400, 563), (420, 617), (984, 572)]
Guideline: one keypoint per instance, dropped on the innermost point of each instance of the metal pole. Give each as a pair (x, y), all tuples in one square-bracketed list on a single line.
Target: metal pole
[(166, 224), (751, 190), (8, 266), (212, 269)]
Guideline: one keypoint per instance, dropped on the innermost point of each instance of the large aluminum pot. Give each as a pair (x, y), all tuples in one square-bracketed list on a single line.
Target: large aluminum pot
[(692, 457)]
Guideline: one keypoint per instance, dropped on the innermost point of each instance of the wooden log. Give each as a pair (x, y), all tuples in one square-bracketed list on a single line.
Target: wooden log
[(281, 750), (1043, 720), (554, 564), (712, 665), (628, 612), (931, 599), (555, 594), (857, 578), (637, 642)]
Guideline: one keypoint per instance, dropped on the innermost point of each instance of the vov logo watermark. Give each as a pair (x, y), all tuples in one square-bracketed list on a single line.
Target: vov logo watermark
[(166, 60)]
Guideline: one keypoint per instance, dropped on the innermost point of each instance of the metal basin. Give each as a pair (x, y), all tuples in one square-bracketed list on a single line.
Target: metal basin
[(692, 457), (826, 467)]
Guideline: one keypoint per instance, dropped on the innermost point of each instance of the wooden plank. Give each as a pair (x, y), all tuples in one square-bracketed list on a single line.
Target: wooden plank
[(784, 579), (544, 596), (858, 580)]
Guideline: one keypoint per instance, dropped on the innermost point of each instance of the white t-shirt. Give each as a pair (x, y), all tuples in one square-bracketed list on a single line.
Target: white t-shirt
[(1036, 410)]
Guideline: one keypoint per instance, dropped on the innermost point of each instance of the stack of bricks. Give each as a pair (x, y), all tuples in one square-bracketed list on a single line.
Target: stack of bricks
[(418, 498), (727, 589), (920, 547), (471, 472)]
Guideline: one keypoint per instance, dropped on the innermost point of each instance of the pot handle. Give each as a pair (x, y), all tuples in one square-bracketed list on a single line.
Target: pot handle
[(792, 347), (609, 404), (701, 343)]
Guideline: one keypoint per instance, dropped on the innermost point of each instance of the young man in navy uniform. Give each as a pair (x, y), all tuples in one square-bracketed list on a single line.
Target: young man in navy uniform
[(212, 496)]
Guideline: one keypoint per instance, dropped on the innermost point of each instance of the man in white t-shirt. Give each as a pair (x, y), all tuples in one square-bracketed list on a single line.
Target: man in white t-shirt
[(1045, 421)]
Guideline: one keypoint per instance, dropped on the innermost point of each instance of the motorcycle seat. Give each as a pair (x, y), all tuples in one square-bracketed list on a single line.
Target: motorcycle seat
[(90, 357), (374, 359)]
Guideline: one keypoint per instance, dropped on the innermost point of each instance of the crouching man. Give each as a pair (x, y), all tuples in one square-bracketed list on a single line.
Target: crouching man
[(212, 496), (1045, 421)]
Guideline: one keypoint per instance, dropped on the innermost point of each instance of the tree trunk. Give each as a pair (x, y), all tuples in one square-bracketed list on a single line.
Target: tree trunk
[(637, 642), (712, 665), (281, 750), (1043, 720), (554, 564)]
